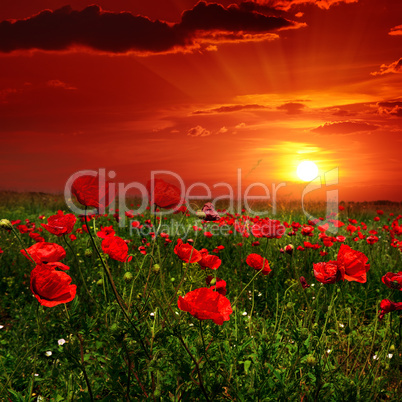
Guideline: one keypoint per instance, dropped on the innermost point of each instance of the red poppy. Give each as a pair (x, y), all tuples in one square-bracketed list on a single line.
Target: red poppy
[(352, 264), (186, 252), (106, 232), (372, 239), (164, 195), (60, 224), (205, 304), (115, 247), (392, 280), (270, 228), (304, 283), (44, 252), (91, 192), (51, 287), (219, 285), (210, 213), (208, 260), (387, 306), (259, 263), (36, 236), (327, 272), (307, 231)]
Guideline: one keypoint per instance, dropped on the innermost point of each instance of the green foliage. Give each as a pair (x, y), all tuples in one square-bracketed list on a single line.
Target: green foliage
[(282, 342)]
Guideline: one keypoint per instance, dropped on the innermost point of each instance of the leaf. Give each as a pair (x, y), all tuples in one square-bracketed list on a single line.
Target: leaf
[(247, 365)]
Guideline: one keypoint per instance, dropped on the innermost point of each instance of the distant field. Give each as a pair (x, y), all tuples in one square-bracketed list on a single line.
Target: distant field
[(123, 335)]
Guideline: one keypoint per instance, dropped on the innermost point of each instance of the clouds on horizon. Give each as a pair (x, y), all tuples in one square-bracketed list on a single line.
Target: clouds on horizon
[(124, 32), (344, 127)]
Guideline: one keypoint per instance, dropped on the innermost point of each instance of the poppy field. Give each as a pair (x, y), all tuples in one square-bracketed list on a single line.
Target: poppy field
[(115, 307)]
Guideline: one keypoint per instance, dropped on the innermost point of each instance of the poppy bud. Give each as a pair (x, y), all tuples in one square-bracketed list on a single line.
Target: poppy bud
[(213, 282), (392, 348), (88, 252), (5, 224), (201, 214), (100, 282), (156, 268), (289, 249), (311, 360), (128, 277)]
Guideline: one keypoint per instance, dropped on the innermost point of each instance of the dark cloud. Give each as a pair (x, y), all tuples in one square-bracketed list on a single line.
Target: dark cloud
[(124, 32), (292, 107), (395, 67), (390, 108), (288, 4), (230, 109), (344, 127)]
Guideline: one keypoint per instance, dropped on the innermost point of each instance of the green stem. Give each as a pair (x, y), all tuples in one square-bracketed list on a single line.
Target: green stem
[(36, 350), (22, 244), (115, 292), (79, 267)]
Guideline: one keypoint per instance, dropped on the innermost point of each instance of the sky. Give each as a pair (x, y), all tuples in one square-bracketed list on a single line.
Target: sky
[(203, 90)]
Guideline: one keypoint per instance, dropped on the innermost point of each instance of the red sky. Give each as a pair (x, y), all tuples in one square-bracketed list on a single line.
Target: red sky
[(202, 90)]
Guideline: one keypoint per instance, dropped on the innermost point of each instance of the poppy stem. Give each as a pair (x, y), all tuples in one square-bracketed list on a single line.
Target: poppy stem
[(115, 292), (237, 298), (38, 313), (79, 267), (22, 244), (196, 366)]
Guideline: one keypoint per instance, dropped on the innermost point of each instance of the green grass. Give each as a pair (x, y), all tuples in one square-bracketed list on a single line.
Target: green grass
[(281, 343)]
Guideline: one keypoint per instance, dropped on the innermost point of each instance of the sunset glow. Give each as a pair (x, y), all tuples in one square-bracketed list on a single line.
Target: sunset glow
[(202, 90)]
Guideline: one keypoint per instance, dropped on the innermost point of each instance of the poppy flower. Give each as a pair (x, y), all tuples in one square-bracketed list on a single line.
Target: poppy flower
[(44, 252), (205, 304), (60, 224), (115, 247), (208, 260), (91, 192), (393, 280), (163, 194), (372, 239), (51, 287), (387, 306), (219, 285), (327, 272), (186, 252), (303, 282), (307, 231), (352, 264), (210, 213), (106, 232), (259, 263), (270, 228)]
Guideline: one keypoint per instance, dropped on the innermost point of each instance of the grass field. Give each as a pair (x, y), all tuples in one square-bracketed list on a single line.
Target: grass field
[(124, 337)]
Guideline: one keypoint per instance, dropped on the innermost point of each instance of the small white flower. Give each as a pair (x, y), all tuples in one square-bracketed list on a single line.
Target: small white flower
[(375, 357), (389, 355), (259, 294), (328, 351), (1, 326), (152, 314), (61, 341), (245, 313), (313, 284), (341, 325), (313, 297), (36, 375), (177, 312), (191, 325), (48, 353)]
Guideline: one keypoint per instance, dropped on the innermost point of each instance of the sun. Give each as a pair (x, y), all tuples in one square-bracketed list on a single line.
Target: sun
[(307, 170)]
